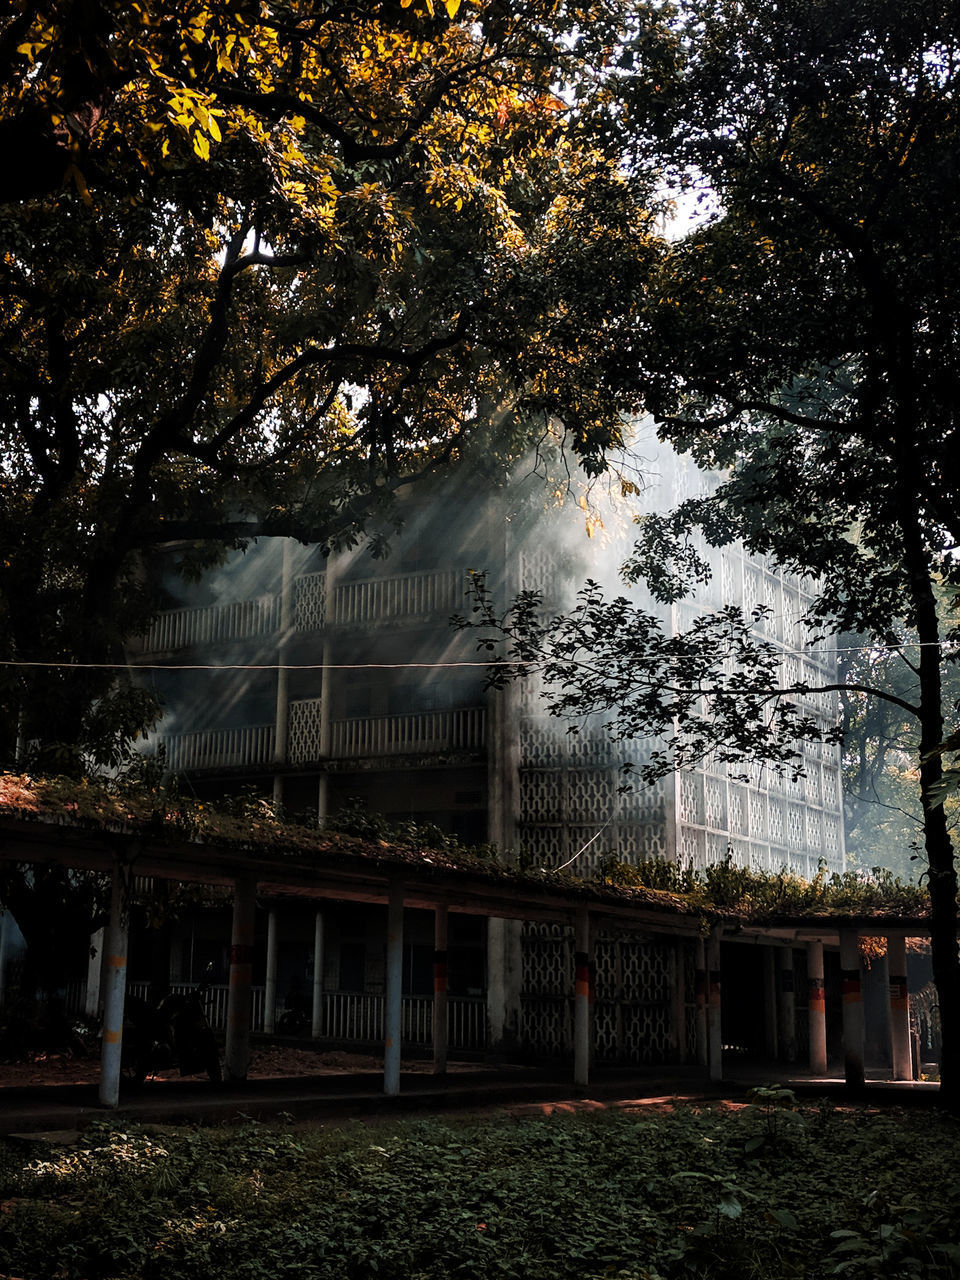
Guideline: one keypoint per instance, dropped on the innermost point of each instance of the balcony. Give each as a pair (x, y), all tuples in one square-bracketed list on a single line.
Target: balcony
[(254, 746), (419, 733), (369, 603), (405, 595), (215, 624), (246, 746)]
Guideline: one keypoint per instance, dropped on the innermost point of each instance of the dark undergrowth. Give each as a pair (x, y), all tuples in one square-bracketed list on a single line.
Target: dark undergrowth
[(769, 1192)]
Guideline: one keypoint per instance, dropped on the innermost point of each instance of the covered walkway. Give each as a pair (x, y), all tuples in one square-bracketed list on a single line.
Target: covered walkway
[(319, 867)]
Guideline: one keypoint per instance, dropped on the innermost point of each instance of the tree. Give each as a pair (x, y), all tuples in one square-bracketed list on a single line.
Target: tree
[(271, 261), (803, 342)]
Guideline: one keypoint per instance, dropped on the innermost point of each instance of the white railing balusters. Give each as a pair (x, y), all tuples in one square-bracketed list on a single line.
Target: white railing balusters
[(402, 595), (461, 728), (212, 624), (219, 748)]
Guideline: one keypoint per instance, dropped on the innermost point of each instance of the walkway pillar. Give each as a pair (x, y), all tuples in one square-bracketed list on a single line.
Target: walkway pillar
[(700, 995), (504, 979), (714, 1008), (900, 1053), (583, 999), (816, 1008), (852, 1009), (393, 1004), (270, 981), (91, 1004), (316, 1018), (771, 1043), (441, 1031), (786, 1005), (678, 1001), (115, 985), (240, 992)]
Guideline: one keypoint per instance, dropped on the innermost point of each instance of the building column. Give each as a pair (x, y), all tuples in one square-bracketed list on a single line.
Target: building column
[(4, 930), (240, 993), (91, 1004), (786, 1005), (771, 1042), (281, 741), (441, 1031), (900, 1051), (816, 1008), (583, 999), (714, 1007), (115, 986), (700, 985), (393, 1002), (504, 980), (270, 981), (326, 734), (316, 1019), (852, 1009), (326, 688), (678, 1001)]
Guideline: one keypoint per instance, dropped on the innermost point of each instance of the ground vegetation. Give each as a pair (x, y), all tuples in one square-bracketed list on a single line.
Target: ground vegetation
[(756, 1193)]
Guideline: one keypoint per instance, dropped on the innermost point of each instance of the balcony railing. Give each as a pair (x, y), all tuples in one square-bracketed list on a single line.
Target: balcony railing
[(405, 595), (214, 624), (346, 1016), (461, 729), (252, 744), (368, 602)]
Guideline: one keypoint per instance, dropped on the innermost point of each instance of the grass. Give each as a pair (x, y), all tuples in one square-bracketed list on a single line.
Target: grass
[(769, 1191)]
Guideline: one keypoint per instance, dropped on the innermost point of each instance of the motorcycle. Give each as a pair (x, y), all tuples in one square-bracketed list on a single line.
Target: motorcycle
[(175, 1033)]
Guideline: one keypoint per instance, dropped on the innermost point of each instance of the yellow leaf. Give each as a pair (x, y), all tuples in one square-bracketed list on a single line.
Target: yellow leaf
[(74, 175), (451, 7)]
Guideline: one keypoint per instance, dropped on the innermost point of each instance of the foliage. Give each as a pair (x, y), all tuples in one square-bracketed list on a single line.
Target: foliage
[(803, 342), (714, 689), (268, 263), (725, 885), (247, 820), (882, 804), (665, 1197), (354, 819)]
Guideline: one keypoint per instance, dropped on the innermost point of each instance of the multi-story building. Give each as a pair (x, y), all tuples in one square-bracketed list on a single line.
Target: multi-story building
[(337, 681)]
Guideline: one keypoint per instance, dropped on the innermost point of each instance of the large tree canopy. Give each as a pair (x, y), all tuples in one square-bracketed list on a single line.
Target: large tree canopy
[(268, 261)]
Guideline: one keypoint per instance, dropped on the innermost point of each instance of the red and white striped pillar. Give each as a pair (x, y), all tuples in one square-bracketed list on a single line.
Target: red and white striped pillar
[(240, 990), (714, 1007), (441, 1037), (583, 1000), (899, 1008), (816, 1008), (853, 1027), (700, 997), (114, 988)]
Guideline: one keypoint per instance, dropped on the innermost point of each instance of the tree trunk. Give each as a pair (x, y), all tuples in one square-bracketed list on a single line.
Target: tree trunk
[(937, 844)]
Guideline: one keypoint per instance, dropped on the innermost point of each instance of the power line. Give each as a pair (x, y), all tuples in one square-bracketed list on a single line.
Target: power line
[(397, 666)]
